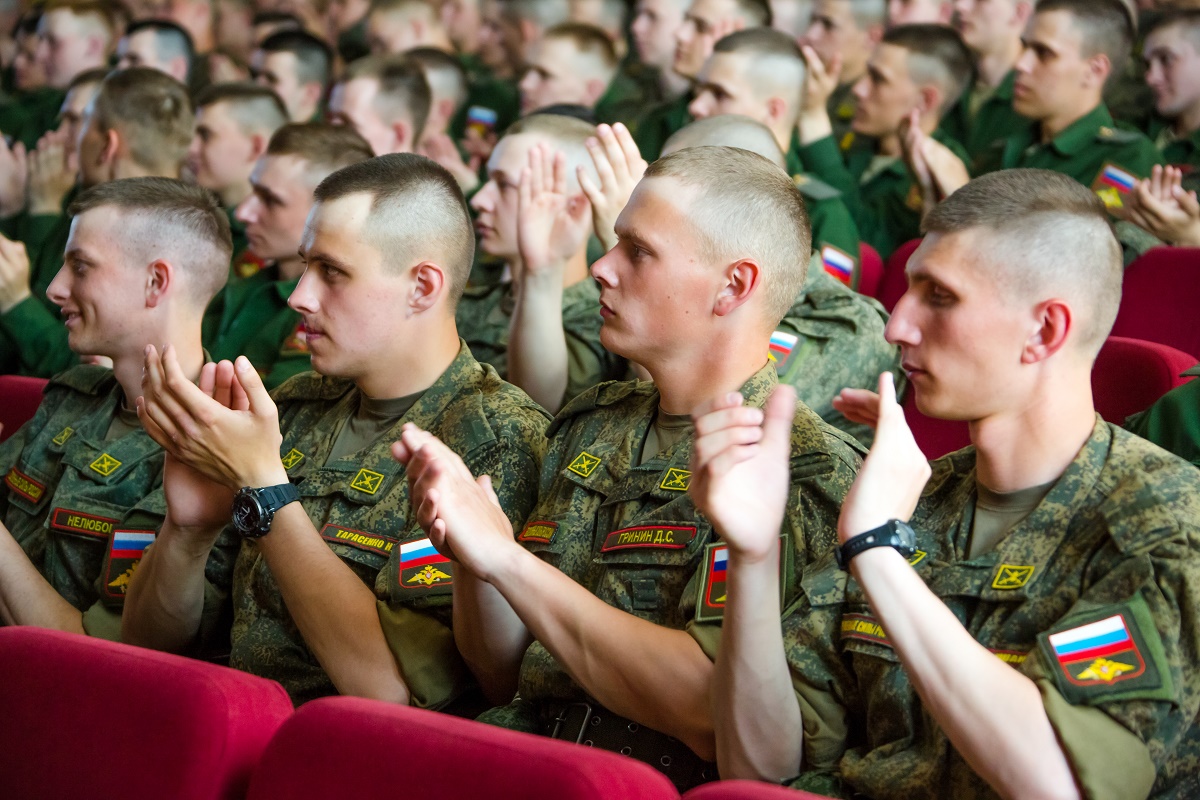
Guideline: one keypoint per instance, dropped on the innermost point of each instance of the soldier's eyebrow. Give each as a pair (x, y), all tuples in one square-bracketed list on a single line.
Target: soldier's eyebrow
[(628, 233), (319, 257)]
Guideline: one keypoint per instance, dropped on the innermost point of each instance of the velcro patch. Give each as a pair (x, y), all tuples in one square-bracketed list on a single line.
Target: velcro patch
[(63, 435), (781, 346), (666, 537), (65, 519), (292, 458), (864, 627), (1014, 658), (359, 539), (1101, 652), (422, 567), (584, 464), (676, 480), (125, 553), (367, 481), (104, 465), (1112, 184), (710, 605), (540, 531), (839, 263), (25, 486), (1012, 576)]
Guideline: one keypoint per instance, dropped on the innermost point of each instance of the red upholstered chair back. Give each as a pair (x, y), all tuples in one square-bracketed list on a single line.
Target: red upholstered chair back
[(935, 437), (1161, 293), (870, 270), (746, 790), (19, 399), (368, 750), (1129, 375), (894, 283), (87, 718)]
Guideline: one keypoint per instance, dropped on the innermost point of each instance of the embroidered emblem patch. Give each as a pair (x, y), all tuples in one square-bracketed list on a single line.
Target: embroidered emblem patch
[(64, 519), (1009, 576), (1112, 184), (917, 558), (367, 481), (24, 485), (838, 264), (667, 537), (781, 346), (710, 605), (63, 435), (423, 567), (864, 627), (584, 464), (1102, 652), (359, 539), (292, 458), (913, 200), (126, 549), (539, 532), (676, 480), (1011, 657), (104, 465)]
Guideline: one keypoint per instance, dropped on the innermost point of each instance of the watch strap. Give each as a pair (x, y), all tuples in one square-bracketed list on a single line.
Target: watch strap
[(276, 497), (886, 535)]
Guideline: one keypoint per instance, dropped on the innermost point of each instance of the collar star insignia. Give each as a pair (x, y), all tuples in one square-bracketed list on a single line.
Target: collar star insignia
[(105, 465), (367, 481), (676, 480), (584, 464)]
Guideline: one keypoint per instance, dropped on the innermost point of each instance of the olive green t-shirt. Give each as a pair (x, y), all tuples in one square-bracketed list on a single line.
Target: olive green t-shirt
[(123, 422), (370, 420), (665, 432), (997, 513)]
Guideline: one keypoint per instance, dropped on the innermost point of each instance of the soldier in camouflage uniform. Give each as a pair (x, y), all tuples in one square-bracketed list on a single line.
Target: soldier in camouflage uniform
[(1035, 638), (143, 258), (614, 547), (343, 593)]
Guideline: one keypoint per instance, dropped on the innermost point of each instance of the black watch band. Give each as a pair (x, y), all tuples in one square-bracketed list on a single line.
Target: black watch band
[(254, 509), (893, 533)]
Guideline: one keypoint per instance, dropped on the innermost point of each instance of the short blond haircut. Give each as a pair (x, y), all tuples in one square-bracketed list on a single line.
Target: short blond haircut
[(745, 207), (568, 134)]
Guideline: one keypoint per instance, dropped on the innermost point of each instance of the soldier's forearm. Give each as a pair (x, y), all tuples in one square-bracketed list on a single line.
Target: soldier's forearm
[(490, 636), (537, 345), (759, 733), (991, 713), (165, 601), (25, 596)]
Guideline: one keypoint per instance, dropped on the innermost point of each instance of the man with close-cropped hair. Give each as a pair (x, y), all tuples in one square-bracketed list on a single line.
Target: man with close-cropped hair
[(448, 89), (386, 99), (251, 317), (653, 33), (572, 64), (586, 616), (341, 592), (296, 66), (919, 12), (1020, 623), (1172, 55), (163, 46), (843, 34), (143, 259), (397, 26), (916, 74), (76, 35), (139, 124)]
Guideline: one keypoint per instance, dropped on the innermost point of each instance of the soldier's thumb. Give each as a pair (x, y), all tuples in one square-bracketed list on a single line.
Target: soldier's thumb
[(252, 384), (777, 417)]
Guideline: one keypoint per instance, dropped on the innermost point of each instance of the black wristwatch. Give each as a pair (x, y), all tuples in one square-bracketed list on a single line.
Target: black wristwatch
[(892, 533), (253, 509)]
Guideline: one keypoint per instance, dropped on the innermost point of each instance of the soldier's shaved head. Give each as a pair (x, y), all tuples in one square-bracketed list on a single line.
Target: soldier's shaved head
[(728, 130)]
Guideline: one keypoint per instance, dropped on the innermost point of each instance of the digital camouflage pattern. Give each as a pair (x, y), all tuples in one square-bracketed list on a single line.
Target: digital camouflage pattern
[(631, 534), (838, 344), (360, 506), (1116, 537), (484, 317)]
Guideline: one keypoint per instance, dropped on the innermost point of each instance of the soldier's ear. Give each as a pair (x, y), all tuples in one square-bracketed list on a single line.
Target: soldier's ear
[(428, 286), (159, 276)]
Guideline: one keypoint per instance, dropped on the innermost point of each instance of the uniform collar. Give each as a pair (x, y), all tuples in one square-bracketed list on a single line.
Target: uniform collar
[(1082, 132)]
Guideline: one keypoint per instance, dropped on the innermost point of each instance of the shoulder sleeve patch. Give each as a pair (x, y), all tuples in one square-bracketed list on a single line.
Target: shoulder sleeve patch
[(814, 188)]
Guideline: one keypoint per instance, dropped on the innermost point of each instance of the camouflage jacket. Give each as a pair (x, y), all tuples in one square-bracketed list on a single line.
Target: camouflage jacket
[(360, 505), (1093, 597)]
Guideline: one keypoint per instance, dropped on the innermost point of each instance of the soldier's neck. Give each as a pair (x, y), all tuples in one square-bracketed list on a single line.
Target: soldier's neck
[(720, 365), (993, 68), (1054, 125), (409, 370), (128, 368)]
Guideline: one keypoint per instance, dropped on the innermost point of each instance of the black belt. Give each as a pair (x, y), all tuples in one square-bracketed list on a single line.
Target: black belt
[(595, 726)]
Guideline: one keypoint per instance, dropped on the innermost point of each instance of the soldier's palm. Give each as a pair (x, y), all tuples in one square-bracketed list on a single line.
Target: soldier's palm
[(193, 500)]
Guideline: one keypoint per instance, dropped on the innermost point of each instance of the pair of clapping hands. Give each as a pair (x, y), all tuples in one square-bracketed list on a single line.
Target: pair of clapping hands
[(1160, 205)]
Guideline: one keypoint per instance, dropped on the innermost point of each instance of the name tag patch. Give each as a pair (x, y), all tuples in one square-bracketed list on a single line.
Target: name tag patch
[(539, 532), (864, 627), (65, 519), (667, 537), (423, 567), (359, 539), (125, 553), (24, 485)]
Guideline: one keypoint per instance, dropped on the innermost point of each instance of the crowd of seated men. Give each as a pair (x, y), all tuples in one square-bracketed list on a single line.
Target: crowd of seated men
[(505, 358)]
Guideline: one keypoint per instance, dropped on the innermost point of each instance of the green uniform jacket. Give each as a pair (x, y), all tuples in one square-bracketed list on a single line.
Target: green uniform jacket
[(832, 339), (485, 314), (360, 506), (887, 206), (352, 42), (623, 101), (1091, 150), (1178, 152), (834, 234), (994, 122), (1173, 422), (1113, 542), (842, 106), (32, 114), (659, 123), (632, 536), (489, 92), (257, 323)]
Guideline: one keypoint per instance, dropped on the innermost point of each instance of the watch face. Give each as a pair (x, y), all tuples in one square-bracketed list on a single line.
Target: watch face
[(247, 513), (908, 539)]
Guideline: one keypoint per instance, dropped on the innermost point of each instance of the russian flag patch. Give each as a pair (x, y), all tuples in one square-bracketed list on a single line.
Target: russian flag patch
[(1099, 653), (838, 264), (423, 568), (782, 343), (1112, 184), (125, 551)]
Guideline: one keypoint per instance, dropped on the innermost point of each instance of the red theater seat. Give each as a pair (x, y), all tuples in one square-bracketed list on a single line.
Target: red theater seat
[(746, 790), (87, 718), (895, 283), (1160, 295), (870, 270), (19, 399), (368, 750), (935, 437), (1129, 375)]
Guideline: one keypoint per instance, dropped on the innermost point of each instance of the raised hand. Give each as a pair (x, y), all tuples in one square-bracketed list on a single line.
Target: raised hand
[(440, 148), (552, 226), (739, 469), (820, 81), (895, 471), (1160, 205), (51, 173), (619, 166), (14, 175), (14, 274)]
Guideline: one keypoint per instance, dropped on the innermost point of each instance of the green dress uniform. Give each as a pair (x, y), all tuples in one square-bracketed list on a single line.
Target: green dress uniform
[(1090, 150), (1178, 151), (1093, 597), (32, 114), (487, 92), (484, 317), (620, 522), (75, 477), (1173, 422), (832, 339), (980, 124), (359, 503), (352, 42), (834, 234), (659, 123), (842, 105), (880, 193), (623, 101), (257, 323)]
